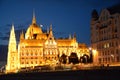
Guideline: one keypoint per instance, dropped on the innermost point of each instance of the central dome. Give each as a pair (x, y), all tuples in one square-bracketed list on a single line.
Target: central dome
[(33, 29)]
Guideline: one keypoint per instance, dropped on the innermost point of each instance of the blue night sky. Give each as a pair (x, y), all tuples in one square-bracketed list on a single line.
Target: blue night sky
[(66, 16)]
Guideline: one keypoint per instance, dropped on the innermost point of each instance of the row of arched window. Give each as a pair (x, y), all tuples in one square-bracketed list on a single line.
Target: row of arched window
[(31, 54), (31, 62)]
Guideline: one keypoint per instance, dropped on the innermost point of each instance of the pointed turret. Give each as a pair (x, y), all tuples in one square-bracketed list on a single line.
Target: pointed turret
[(12, 53), (47, 30), (12, 40), (34, 19), (50, 33), (94, 15), (22, 36), (70, 37), (74, 36)]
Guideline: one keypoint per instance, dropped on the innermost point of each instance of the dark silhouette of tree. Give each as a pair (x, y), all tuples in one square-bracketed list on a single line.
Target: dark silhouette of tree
[(63, 59), (73, 58)]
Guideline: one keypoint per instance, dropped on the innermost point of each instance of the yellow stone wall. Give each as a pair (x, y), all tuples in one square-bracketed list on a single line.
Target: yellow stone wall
[(36, 48)]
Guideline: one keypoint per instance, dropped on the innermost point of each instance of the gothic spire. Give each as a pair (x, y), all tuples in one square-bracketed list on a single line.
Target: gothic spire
[(51, 33), (70, 37), (47, 30), (74, 36), (94, 15), (12, 40), (22, 35), (34, 18)]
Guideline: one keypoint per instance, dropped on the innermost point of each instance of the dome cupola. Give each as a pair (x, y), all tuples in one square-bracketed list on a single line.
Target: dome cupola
[(33, 29)]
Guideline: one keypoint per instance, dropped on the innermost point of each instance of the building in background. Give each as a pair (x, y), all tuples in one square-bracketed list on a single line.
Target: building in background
[(105, 35), (36, 48)]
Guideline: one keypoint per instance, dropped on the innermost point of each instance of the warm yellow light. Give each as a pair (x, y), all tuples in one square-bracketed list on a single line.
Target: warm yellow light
[(90, 48), (40, 48), (94, 51), (112, 55)]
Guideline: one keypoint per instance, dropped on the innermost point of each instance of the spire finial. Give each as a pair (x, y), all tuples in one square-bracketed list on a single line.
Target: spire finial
[(13, 26), (70, 37), (48, 30), (22, 35), (34, 19), (51, 30), (51, 27), (74, 36)]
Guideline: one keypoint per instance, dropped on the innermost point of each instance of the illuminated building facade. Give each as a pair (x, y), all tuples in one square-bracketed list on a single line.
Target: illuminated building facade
[(105, 35), (36, 48)]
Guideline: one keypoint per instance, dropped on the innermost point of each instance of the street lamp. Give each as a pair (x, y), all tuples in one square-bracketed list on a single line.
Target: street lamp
[(90, 48), (91, 55)]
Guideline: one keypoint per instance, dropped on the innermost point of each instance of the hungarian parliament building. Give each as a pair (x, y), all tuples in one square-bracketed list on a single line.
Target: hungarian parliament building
[(36, 48)]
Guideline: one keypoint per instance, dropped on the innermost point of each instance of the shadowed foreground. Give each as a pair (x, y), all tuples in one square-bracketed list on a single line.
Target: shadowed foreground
[(97, 74)]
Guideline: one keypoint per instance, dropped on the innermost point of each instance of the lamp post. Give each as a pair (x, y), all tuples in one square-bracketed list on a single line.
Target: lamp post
[(91, 55)]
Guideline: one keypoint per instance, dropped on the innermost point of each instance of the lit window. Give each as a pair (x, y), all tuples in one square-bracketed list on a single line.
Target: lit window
[(104, 45), (108, 45)]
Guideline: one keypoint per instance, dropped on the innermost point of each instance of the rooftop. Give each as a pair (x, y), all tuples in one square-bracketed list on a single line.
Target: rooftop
[(114, 9)]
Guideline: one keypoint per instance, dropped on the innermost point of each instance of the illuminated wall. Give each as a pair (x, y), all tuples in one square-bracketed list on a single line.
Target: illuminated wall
[(36, 48), (105, 35)]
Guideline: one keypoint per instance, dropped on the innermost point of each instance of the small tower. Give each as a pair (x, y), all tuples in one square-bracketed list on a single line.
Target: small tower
[(75, 42), (93, 25), (22, 36), (51, 48), (12, 40), (47, 30), (94, 15), (70, 37), (74, 36), (51, 33), (12, 53)]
